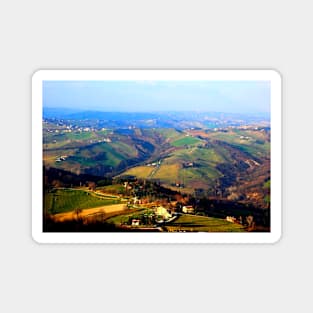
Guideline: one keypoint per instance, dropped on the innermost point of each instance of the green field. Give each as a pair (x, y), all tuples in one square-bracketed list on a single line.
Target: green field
[(139, 171), (122, 218), (185, 141), (113, 189), (172, 170), (169, 133), (91, 155), (198, 223), (168, 173), (186, 222), (253, 143), (102, 153), (66, 200), (198, 154), (86, 149)]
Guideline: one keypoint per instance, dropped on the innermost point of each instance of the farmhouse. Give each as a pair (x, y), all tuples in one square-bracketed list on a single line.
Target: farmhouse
[(135, 222), (231, 219), (188, 164), (188, 209)]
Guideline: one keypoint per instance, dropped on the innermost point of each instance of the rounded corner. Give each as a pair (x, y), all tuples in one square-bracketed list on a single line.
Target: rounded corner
[(36, 238), (37, 74), (276, 75), (277, 238)]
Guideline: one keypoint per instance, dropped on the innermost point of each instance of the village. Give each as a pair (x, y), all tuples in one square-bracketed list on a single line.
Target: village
[(147, 212)]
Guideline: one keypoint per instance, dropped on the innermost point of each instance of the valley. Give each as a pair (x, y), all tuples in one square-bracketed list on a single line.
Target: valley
[(204, 159)]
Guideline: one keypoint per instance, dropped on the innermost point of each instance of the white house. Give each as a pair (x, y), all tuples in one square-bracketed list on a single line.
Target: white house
[(231, 219), (135, 222), (189, 209)]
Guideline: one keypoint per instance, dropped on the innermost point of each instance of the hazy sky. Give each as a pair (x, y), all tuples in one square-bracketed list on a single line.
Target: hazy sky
[(145, 96)]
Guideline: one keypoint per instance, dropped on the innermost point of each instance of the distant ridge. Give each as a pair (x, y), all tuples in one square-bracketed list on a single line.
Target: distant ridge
[(79, 114)]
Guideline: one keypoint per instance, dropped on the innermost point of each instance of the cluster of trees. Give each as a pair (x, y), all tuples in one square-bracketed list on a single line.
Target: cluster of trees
[(249, 214), (77, 225), (54, 177)]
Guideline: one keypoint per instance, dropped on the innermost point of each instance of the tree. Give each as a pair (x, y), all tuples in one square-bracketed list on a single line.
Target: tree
[(102, 215), (77, 213), (249, 220), (91, 185)]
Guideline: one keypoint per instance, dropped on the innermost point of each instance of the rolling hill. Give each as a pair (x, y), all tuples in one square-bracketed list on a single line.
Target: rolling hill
[(232, 162)]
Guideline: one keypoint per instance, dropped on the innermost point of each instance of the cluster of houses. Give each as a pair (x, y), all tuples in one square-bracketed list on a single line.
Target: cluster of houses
[(100, 140), (154, 163), (62, 127), (160, 215), (244, 137)]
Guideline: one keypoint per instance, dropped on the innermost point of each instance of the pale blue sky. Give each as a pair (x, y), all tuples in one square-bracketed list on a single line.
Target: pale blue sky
[(147, 96)]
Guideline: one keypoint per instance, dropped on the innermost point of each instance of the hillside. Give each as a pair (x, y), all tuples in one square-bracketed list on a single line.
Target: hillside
[(229, 163)]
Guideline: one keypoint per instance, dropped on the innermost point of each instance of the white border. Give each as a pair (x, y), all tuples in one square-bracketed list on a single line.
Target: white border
[(267, 75)]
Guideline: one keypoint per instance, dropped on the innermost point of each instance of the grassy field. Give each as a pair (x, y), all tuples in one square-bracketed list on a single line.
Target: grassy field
[(124, 149), (108, 154), (198, 154), (204, 174), (168, 173), (122, 218), (169, 133), (139, 171), (185, 141), (102, 153), (113, 189), (255, 143), (171, 170), (203, 224), (85, 150), (65, 200)]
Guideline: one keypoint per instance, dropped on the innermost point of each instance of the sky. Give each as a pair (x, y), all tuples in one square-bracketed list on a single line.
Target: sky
[(147, 96)]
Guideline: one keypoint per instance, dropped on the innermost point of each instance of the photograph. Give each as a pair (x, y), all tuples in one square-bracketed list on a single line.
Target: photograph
[(156, 156)]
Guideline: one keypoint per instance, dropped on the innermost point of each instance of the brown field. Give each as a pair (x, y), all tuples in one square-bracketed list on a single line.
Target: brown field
[(107, 209), (198, 133)]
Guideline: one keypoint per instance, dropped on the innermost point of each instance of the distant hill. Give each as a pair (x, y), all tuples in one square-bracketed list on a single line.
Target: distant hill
[(178, 120)]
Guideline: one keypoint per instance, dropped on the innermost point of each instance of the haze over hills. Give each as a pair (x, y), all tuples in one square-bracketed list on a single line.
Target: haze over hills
[(179, 120)]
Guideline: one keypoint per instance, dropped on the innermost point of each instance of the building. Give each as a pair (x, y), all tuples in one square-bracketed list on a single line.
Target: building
[(231, 219), (188, 209), (135, 222)]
